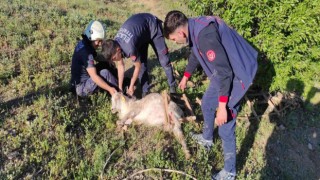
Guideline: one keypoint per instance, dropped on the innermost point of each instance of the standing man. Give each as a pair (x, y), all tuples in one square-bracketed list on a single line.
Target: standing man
[(85, 75), (230, 63), (132, 41)]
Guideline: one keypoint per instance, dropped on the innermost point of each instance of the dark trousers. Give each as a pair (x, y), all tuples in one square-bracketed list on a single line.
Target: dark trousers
[(209, 105), (88, 87), (107, 72)]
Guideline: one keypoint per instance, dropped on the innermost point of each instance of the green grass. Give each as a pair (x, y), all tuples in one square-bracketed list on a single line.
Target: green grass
[(47, 133)]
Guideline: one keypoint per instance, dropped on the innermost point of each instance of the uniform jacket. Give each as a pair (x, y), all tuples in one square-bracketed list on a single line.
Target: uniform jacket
[(241, 55), (137, 31), (83, 57)]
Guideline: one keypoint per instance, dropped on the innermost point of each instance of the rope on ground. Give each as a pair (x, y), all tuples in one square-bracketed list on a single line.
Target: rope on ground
[(161, 170), (105, 164)]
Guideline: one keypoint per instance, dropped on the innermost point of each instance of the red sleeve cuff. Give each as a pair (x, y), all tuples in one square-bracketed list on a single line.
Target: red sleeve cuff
[(186, 74), (223, 99)]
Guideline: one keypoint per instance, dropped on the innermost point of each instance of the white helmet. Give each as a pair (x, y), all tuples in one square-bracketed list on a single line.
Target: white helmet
[(95, 31)]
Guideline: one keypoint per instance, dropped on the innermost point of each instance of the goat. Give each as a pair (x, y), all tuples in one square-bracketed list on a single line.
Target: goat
[(152, 110)]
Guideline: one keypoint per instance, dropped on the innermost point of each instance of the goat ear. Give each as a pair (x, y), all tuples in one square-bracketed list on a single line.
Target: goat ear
[(123, 99)]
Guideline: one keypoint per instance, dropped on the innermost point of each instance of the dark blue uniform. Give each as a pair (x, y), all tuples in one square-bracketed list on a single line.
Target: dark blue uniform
[(83, 58), (134, 37), (231, 64)]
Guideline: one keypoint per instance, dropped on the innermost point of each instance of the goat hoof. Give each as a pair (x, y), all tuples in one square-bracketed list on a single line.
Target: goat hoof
[(125, 128), (119, 123), (129, 121)]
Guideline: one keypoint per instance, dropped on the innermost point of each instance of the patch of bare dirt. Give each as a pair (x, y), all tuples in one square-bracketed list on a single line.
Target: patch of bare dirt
[(294, 153), (151, 6)]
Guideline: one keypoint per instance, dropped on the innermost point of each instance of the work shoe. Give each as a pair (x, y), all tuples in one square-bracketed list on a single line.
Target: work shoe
[(224, 175), (200, 140)]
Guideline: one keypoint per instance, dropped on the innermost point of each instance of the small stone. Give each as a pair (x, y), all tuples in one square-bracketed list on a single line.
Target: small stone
[(310, 146), (125, 128), (28, 123), (129, 121), (12, 132), (190, 84), (29, 176), (314, 135), (281, 127), (12, 155)]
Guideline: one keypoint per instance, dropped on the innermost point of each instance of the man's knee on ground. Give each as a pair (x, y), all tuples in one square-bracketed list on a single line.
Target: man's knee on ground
[(105, 73), (109, 78)]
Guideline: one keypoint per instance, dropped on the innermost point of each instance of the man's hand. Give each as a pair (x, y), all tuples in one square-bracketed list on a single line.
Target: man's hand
[(183, 83), (112, 90), (120, 90), (130, 90), (99, 81), (221, 115), (137, 67)]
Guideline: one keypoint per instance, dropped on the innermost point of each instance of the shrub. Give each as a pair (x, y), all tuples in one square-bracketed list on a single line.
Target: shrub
[(286, 34)]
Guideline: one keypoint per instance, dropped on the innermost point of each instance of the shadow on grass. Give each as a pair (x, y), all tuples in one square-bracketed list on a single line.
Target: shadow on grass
[(30, 97), (9, 107), (262, 84), (292, 150), (79, 109)]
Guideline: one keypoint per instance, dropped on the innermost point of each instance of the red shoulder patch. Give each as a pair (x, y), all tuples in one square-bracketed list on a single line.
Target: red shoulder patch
[(211, 55), (90, 59), (133, 58)]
